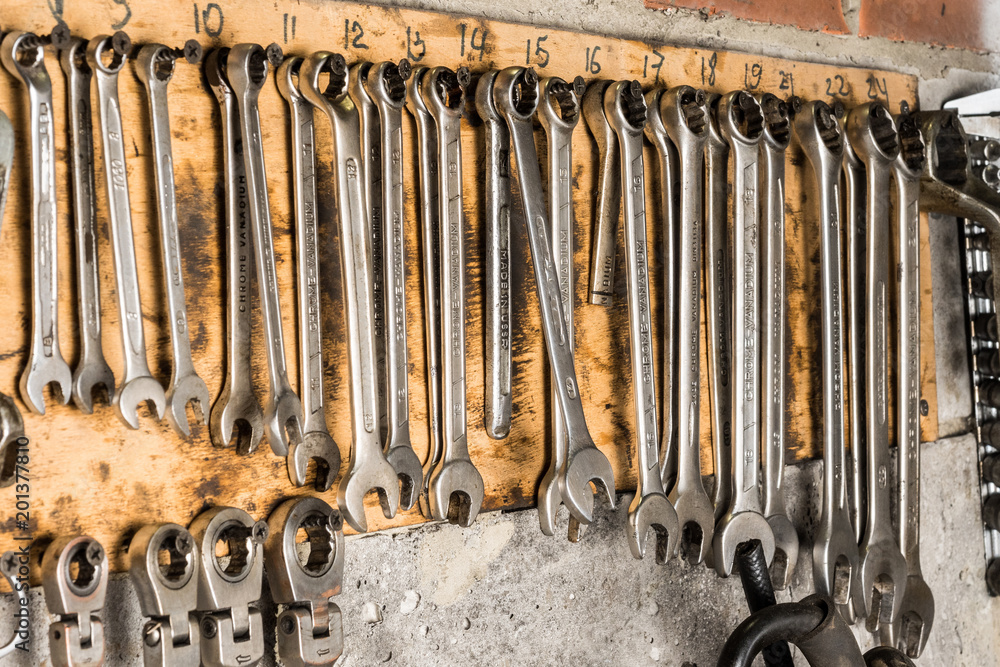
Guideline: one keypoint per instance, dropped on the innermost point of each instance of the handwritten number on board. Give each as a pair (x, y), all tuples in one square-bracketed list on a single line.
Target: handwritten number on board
[(787, 82), (751, 75), (289, 27), (541, 54), (211, 19), (353, 28), (646, 65), (125, 19), (592, 66), (708, 69), (473, 46), (877, 88), (838, 86), (413, 40)]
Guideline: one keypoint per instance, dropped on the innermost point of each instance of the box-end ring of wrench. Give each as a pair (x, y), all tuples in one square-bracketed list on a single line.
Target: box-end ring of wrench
[(23, 54), (516, 96), (368, 468)]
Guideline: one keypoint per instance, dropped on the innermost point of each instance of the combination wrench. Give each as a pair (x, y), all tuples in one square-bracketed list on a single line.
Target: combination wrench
[(558, 114), (317, 444), (497, 292), (609, 197), (455, 488), (741, 123), (247, 67), (155, 69), (777, 133), (368, 469), (23, 54), (625, 109), (516, 96), (92, 375), (682, 110), (386, 85), (139, 385), (882, 570), (237, 412)]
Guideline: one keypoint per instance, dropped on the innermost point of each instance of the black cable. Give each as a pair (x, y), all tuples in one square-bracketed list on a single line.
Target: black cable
[(759, 592)]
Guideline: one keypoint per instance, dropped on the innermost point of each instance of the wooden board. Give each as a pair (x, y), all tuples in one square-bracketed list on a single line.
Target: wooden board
[(91, 474)]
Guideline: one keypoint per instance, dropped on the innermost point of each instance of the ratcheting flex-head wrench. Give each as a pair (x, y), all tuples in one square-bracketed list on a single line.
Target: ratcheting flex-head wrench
[(317, 444), (139, 385), (497, 294), (75, 581), (882, 571), (237, 412), (23, 54), (609, 197), (455, 488), (155, 68), (368, 469), (741, 123), (625, 109), (427, 156), (247, 68), (683, 115), (386, 84), (558, 113), (93, 374), (909, 632), (777, 133), (835, 551), (516, 95)]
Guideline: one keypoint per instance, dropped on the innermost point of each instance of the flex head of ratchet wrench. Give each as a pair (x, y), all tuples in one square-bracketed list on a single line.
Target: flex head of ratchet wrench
[(310, 627), (75, 581)]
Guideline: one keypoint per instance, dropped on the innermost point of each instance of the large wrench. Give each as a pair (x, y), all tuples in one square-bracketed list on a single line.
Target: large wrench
[(386, 84), (93, 374), (558, 113), (247, 68), (683, 114), (237, 410), (516, 95), (883, 568), (609, 197), (23, 55), (777, 134), (317, 444), (625, 109), (741, 123), (368, 468), (139, 385), (455, 488), (497, 294), (155, 68)]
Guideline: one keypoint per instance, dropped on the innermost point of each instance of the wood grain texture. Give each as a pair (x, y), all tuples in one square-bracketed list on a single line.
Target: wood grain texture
[(92, 475)]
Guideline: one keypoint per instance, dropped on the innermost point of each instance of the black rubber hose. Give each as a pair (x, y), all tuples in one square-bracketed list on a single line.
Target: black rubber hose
[(764, 627), (886, 656), (759, 592)]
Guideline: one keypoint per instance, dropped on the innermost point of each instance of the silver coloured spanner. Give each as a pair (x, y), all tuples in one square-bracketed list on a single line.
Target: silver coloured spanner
[(92, 374), (75, 581), (386, 85), (368, 469), (237, 412), (497, 291), (777, 133), (247, 68), (558, 113), (139, 386), (741, 123), (883, 567), (609, 197), (12, 566), (155, 68), (516, 95), (625, 109), (316, 444), (23, 54), (682, 110)]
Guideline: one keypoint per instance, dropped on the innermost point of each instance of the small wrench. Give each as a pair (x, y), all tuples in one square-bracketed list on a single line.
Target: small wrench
[(516, 96), (741, 123), (247, 68), (93, 374), (317, 444), (497, 294), (386, 84), (369, 468), (155, 68), (237, 410), (883, 567), (139, 385), (625, 109), (777, 133), (23, 55), (558, 113), (455, 488), (682, 110), (609, 196)]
